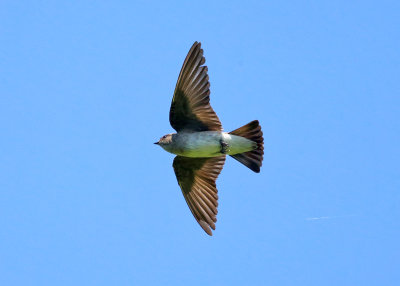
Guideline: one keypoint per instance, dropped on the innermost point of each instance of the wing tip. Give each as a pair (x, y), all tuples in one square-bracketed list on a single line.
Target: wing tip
[(206, 227)]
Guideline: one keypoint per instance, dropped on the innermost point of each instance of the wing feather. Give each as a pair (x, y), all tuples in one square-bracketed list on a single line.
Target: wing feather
[(196, 177), (190, 107)]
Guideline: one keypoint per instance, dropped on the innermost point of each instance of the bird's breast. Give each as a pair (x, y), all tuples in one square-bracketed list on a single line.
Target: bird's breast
[(198, 144), (209, 144)]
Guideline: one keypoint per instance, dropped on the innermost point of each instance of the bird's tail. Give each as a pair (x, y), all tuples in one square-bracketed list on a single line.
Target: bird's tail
[(252, 159)]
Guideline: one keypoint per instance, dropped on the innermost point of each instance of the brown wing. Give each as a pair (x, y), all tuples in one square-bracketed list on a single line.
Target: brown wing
[(190, 107), (196, 177)]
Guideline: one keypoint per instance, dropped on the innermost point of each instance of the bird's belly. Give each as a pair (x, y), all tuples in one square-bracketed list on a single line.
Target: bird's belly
[(200, 144), (209, 144)]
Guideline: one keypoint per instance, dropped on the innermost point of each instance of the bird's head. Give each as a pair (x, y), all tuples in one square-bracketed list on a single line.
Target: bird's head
[(165, 140)]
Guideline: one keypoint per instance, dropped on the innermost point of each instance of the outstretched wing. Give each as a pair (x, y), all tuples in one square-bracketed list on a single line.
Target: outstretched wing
[(196, 177), (190, 107)]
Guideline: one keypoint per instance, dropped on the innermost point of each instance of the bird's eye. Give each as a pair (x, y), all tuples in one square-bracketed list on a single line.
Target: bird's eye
[(165, 136)]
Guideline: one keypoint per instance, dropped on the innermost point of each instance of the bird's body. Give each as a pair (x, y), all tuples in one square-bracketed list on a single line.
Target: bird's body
[(208, 144), (200, 143)]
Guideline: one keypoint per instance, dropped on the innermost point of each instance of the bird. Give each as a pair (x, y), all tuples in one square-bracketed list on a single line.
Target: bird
[(200, 143)]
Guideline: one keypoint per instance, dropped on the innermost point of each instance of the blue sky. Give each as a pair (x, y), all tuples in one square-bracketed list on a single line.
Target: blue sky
[(87, 199)]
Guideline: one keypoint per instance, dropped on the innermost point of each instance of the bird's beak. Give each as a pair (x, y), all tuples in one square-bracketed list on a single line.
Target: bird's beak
[(156, 143)]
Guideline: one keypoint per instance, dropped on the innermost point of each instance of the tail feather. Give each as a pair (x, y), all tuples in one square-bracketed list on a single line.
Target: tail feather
[(252, 159)]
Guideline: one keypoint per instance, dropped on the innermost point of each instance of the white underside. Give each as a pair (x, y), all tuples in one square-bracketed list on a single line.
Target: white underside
[(208, 144)]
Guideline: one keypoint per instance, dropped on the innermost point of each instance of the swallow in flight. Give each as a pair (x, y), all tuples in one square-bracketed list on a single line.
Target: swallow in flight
[(200, 143)]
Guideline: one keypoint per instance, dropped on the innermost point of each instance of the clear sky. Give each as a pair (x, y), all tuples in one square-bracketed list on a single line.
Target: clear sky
[(87, 199)]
